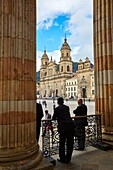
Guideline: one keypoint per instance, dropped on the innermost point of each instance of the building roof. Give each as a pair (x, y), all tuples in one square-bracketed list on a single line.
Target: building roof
[(65, 45), (45, 55)]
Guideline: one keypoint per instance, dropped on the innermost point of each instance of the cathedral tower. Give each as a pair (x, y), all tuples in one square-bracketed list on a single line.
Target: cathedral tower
[(44, 63), (65, 59)]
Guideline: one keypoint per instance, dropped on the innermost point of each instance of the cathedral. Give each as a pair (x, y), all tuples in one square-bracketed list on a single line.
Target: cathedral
[(59, 79), (53, 76)]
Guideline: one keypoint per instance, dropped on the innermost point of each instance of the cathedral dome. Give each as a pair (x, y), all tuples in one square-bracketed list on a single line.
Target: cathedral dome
[(45, 55), (65, 45)]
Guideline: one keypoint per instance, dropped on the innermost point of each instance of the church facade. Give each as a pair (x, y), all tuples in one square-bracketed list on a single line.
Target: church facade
[(53, 76), (59, 79), (82, 84)]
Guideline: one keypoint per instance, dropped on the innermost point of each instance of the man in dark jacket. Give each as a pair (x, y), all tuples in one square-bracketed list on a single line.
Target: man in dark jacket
[(80, 123), (39, 115), (65, 129)]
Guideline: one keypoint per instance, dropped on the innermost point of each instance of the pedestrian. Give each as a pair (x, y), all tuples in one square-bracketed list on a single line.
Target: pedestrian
[(65, 129), (39, 115), (80, 123), (48, 123), (45, 104)]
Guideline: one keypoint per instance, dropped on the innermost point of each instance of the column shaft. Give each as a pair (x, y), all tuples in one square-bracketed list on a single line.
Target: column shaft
[(103, 60), (18, 84)]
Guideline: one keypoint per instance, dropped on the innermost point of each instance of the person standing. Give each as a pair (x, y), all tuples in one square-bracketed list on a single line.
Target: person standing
[(65, 129), (39, 115), (48, 123), (80, 123)]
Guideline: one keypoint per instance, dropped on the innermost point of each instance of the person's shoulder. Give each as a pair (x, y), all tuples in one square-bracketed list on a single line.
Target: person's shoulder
[(49, 115), (57, 107), (39, 104), (66, 106), (84, 105)]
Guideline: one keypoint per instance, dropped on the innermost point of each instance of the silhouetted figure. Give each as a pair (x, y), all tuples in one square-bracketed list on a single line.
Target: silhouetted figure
[(66, 131), (45, 104), (39, 115), (80, 123)]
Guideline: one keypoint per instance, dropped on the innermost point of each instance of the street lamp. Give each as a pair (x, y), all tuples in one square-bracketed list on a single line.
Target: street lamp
[(83, 88), (53, 100)]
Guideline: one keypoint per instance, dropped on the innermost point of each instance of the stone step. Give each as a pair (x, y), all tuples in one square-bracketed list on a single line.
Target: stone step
[(44, 165), (109, 143)]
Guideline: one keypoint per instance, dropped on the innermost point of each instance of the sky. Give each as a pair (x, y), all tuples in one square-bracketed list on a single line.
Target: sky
[(55, 19)]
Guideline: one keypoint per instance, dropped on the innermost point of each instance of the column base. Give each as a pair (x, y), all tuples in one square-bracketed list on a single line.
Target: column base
[(44, 165), (24, 158), (107, 134)]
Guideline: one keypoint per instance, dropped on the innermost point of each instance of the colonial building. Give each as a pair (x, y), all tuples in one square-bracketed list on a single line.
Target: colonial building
[(53, 76), (71, 87), (58, 80), (82, 84)]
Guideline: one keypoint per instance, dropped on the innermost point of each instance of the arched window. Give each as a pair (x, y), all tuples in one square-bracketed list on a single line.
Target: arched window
[(62, 69), (67, 54), (45, 74), (62, 54), (68, 68)]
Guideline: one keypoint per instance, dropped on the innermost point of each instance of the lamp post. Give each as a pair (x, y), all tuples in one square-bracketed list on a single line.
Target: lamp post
[(53, 100), (83, 88), (84, 93)]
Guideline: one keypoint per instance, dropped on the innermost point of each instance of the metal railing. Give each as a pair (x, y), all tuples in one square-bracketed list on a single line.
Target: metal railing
[(50, 136)]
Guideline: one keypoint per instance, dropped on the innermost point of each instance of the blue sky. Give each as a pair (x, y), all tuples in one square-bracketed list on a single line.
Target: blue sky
[(73, 17), (52, 38)]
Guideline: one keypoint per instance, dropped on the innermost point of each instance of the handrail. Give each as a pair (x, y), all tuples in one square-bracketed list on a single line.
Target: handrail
[(50, 141)]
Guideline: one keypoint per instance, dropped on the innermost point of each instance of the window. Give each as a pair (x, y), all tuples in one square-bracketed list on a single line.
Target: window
[(75, 82), (68, 68), (68, 88), (62, 69), (62, 54), (45, 63), (92, 84), (71, 88), (93, 92), (74, 88), (67, 54)]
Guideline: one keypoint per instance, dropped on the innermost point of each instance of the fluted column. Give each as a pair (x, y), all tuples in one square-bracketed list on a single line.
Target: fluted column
[(18, 148), (103, 59)]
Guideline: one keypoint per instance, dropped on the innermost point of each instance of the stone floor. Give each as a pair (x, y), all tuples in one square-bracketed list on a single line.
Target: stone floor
[(89, 159)]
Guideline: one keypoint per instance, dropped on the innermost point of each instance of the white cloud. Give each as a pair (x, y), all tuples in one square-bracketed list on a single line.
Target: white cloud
[(38, 59), (79, 25), (55, 56)]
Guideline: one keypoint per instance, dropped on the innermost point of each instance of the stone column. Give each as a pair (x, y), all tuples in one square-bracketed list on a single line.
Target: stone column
[(103, 59), (18, 147)]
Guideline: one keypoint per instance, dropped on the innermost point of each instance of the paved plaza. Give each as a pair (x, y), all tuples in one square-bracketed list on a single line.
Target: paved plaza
[(89, 159), (71, 103)]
